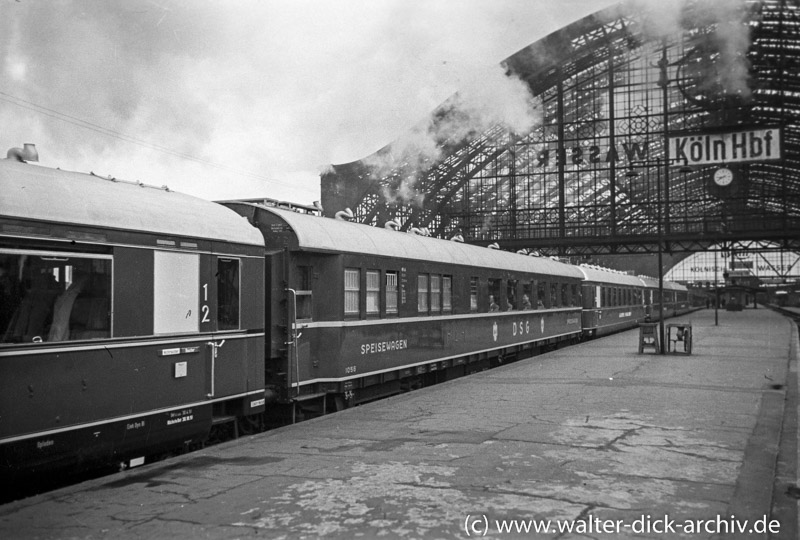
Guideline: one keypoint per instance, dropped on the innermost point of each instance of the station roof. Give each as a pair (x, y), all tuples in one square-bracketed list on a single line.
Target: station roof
[(618, 84)]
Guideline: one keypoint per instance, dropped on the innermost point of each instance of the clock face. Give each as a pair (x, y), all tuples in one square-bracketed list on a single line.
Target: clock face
[(723, 177)]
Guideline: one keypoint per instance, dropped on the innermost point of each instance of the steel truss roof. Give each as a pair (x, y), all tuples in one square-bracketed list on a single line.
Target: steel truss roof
[(593, 175)]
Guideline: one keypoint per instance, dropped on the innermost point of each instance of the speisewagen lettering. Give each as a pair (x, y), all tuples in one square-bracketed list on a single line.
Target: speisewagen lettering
[(384, 346)]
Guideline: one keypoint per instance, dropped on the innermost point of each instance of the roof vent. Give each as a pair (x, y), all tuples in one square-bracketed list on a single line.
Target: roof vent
[(344, 215), (28, 153)]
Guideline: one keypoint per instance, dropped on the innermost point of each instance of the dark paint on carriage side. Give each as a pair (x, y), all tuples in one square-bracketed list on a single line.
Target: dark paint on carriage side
[(123, 339), (351, 305)]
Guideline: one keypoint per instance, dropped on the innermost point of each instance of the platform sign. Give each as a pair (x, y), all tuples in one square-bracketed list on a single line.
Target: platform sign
[(740, 146)]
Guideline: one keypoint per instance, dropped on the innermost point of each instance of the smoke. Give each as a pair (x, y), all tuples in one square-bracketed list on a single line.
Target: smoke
[(488, 98), (269, 87), (719, 61), (732, 38), (717, 65)]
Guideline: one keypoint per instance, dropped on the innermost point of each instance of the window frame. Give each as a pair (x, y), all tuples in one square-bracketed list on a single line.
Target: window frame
[(238, 326), (46, 253), (474, 287), (423, 300), (373, 294), (435, 296), (447, 293), (392, 308), (348, 288)]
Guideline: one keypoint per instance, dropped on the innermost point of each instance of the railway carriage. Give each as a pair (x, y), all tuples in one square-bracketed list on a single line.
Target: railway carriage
[(131, 320), (682, 298), (612, 301), (676, 299), (358, 312)]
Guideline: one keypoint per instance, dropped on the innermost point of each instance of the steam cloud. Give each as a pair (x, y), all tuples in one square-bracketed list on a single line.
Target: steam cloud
[(492, 98), (489, 99), (727, 71)]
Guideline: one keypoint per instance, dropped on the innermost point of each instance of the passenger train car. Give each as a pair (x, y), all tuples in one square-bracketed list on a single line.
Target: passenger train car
[(614, 301), (372, 309), (135, 319), (131, 317)]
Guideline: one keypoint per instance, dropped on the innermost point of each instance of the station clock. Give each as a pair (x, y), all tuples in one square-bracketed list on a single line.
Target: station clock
[(723, 177)]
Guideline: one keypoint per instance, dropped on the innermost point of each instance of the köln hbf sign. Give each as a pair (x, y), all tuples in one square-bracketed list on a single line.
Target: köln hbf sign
[(729, 147)]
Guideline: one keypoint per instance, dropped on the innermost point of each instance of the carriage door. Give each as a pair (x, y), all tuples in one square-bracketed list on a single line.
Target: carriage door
[(220, 313)]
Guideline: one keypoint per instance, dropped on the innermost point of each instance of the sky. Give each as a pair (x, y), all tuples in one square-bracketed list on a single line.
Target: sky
[(235, 99)]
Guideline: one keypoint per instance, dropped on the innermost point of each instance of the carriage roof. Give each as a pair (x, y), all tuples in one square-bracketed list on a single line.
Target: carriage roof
[(603, 275), (315, 233), (41, 194)]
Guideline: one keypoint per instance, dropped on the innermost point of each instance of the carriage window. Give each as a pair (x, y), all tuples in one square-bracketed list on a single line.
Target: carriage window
[(511, 295), (391, 292), (566, 299), (589, 299), (352, 291), (473, 294), (422, 293), (228, 288), (543, 300), (54, 296), (436, 293), (494, 294), (304, 274), (555, 299), (373, 292), (447, 293), (527, 296), (304, 306)]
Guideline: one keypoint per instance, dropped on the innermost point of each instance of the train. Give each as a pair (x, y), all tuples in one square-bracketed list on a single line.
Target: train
[(136, 320)]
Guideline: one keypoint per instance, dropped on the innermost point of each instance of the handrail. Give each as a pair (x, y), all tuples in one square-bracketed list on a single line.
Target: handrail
[(291, 326)]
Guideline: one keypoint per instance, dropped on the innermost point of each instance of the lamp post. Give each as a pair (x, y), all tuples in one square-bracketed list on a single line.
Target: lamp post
[(663, 82), (716, 288), (660, 238)]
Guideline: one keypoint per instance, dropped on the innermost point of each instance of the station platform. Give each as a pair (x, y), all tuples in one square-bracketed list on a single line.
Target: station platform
[(594, 437)]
